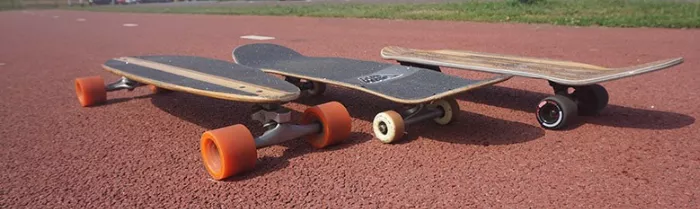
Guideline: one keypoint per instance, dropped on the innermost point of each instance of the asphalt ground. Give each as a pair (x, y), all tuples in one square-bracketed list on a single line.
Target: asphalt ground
[(141, 150)]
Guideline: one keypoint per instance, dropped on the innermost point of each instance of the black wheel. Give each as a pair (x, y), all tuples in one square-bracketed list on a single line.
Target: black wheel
[(308, 88), (590, 99), (555, 112), (429, 67), (317, 88)]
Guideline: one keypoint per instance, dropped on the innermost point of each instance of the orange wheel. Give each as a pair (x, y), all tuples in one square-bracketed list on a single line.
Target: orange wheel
[(228, 151), (155, 89), (335, 122), (90, 90)]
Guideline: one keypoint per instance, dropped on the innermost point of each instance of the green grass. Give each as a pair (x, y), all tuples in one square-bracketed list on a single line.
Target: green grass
[(29, 4), (610, 13)]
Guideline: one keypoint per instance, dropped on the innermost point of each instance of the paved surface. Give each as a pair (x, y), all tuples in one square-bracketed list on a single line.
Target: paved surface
[(141, 150)]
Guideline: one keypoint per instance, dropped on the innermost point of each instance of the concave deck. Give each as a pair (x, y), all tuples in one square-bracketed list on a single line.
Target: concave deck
[(408, 85), (204, 76), (563, 72)]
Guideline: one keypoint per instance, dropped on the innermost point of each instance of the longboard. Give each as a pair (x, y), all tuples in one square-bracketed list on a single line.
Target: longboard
[(401, 84), (553, 112), (228, 150), (558, 71)]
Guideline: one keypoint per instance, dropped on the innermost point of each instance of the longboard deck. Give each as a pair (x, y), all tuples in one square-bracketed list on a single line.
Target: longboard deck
[(402, 84), (563, 72), (204, 76)]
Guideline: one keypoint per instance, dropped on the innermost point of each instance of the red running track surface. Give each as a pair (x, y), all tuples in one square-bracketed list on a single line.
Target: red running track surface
[(142, 150)]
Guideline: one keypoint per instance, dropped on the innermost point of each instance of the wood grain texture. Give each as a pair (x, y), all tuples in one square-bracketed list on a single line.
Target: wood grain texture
[(563, 72), (206, 77)]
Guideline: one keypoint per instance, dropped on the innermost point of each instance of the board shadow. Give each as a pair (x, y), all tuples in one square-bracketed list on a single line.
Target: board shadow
[(475, 129), (111, 101), (211, 113), (612, 115)]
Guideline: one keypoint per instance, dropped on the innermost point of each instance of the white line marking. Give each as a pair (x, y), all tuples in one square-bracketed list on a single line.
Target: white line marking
[(256, 37), (130, 25), (55, 17), (1, 63), (80, 19)]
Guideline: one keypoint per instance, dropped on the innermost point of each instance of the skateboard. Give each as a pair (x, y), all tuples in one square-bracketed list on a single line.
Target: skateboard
[(428, 94), (229, 150), (553, 112)]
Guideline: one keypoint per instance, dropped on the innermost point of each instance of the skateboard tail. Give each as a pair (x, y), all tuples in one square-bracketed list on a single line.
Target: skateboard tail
[(253, 53), (635, 70)]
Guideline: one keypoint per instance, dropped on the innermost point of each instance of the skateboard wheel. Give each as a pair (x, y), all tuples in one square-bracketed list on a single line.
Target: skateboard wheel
[(156, 90), (388, 126), (228, 151), (591, 99), (335, 121), (90, 90), (450, 110), (318, 88), (555, 112)]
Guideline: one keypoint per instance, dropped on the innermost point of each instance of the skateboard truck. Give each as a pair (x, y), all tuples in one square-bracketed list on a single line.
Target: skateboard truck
[(93, 91), (389, 126), (232, 150), (266, 113), (123, 83), (275, 119), (420, 113)]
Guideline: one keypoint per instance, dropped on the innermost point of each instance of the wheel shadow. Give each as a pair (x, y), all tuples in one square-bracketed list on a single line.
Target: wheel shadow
[(612, 115), (211, 113), (294, 148)]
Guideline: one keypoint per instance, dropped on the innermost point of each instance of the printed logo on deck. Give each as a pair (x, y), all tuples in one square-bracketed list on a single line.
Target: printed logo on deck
[(378, 78)]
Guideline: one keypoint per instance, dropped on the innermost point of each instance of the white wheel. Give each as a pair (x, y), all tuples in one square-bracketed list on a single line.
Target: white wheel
[(450, 109), (388, 126)]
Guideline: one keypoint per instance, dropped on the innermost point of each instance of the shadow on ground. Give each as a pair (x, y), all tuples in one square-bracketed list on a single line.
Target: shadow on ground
[(612, 115), (211, 113), (468, 128)]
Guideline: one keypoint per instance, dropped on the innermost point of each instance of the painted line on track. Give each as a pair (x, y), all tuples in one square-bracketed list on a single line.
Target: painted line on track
[(256, 37)]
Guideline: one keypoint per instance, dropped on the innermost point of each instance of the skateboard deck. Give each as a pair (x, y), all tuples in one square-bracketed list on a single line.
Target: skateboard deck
[(402, 84), (204, 76), (554, 112), (229, 150), (558, 71)]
